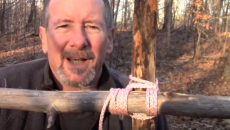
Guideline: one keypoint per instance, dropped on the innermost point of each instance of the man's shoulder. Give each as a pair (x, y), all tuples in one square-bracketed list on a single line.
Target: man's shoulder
[(24, 67), (120, 80), (23, 75)]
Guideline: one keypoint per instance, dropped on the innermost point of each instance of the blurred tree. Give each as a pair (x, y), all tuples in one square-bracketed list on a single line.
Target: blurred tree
[(116, 14), (32, 16), (125, 14), (3, 17), (200, 20), (167, 14), (217, 15), (226, 15)]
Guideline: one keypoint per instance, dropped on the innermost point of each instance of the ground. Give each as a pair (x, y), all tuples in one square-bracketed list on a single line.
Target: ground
[(176, 69)]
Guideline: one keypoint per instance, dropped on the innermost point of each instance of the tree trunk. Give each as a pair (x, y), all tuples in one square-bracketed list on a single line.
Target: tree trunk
[(144, 38), (206, 6), (225, 22), (31, 18), (192, 8), (3, 17), (116, 14), (221, 23), (125, 14), (176, 7), (226, 73), (169, 23), (112, 4), (226, 14), (197, 52), (217, 23), (168, 13)]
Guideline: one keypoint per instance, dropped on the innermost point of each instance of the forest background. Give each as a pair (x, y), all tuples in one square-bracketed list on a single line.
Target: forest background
[(192, 53)]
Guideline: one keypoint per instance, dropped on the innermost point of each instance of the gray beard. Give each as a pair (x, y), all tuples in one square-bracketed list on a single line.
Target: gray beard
[(85, 83)]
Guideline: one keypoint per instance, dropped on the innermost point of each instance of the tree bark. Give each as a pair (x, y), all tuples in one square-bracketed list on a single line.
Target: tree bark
[(144, 38)]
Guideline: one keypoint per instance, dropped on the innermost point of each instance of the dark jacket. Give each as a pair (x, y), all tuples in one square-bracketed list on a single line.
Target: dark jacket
[(36, 75)]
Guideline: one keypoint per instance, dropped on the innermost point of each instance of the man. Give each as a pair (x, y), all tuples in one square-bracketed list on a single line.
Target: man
[(76, 36)]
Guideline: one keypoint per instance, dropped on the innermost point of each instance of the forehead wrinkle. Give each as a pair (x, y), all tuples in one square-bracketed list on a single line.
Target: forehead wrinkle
[(63, 21)]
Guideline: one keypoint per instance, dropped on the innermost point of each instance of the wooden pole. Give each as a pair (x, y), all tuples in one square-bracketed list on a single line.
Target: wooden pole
[(168, 103), (144, 38)]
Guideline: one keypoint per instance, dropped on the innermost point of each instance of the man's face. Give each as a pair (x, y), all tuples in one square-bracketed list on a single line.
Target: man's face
[(76, 40)]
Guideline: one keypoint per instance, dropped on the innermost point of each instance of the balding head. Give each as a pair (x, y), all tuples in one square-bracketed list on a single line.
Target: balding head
[(107, 13)]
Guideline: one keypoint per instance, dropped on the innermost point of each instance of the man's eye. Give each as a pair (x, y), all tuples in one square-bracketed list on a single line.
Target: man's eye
[(63, 26), (91, 27)]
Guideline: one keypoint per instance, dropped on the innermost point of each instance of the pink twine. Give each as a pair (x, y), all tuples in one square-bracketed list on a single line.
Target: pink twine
[(117, 100)]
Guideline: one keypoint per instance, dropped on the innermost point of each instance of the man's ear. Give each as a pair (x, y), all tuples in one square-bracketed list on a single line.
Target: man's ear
[(43, 37), (109, 48)]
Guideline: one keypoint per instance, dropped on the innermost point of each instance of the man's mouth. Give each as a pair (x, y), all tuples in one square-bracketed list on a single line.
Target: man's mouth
[(78, 58), (77, 61)]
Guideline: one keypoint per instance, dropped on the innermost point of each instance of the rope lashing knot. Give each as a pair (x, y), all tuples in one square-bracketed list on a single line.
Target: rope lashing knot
[(117, 100)]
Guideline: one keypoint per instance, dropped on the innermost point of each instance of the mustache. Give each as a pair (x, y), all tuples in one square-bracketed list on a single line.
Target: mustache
[(78, 54)]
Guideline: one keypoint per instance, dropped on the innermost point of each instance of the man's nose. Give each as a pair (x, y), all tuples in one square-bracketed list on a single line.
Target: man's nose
[(79, 38)]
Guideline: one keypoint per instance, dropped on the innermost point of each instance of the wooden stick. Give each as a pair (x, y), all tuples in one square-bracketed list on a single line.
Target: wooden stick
[(60, 101), (194, 105), (168, 103)]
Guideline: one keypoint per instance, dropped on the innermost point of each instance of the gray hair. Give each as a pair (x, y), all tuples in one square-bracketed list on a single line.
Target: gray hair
[(108, 14)]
